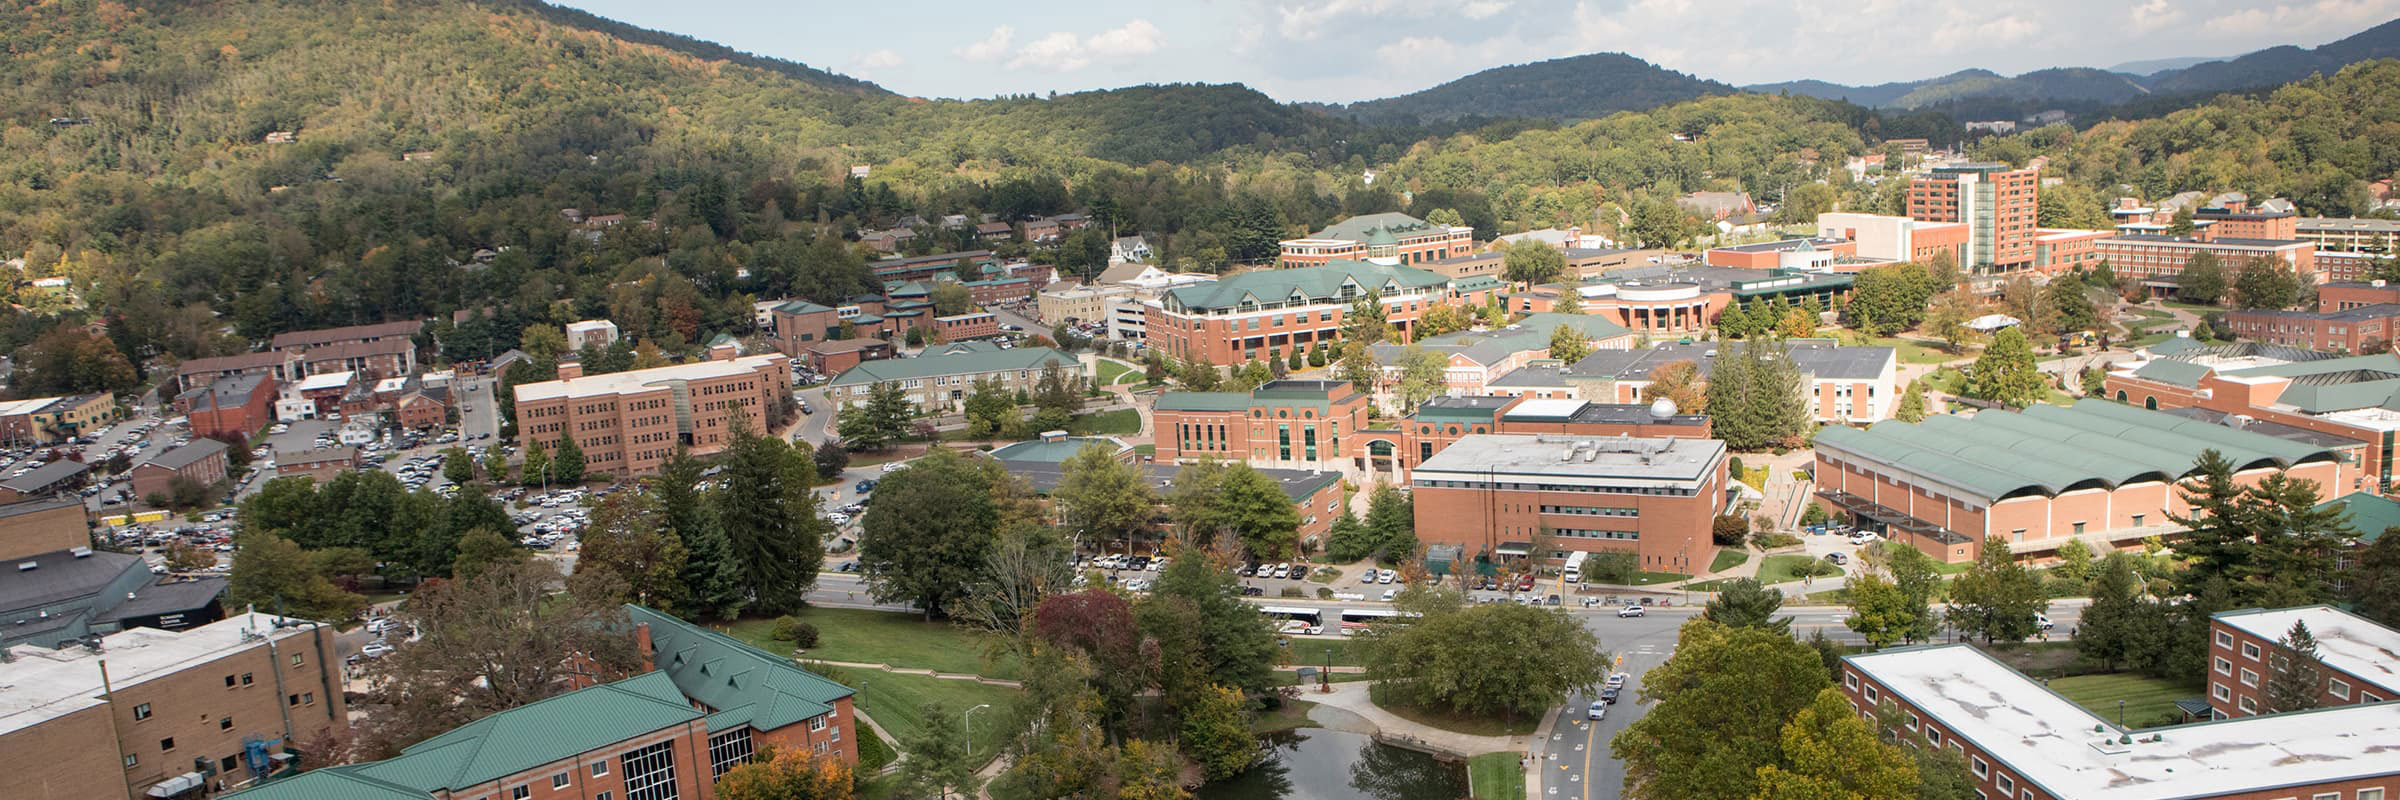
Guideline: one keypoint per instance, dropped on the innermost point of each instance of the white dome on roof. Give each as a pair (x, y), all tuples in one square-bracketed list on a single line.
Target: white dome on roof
[(1662, 408)]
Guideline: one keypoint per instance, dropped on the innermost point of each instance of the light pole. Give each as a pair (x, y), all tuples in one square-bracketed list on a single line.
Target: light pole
[(968, 721)]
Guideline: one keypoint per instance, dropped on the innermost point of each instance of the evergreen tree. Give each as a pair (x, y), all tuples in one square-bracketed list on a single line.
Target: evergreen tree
[(537, 471), (712, 574), (769, 516), (1392, 522), (2295, 672), (1745, 603), (1912, 403), (567, 464), (1754, 395), (2005, 372), (2375, 580), (2107, 632)]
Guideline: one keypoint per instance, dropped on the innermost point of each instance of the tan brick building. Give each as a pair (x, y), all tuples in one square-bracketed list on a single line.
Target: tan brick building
[(1497, 494), (171, 705), (628, 423)]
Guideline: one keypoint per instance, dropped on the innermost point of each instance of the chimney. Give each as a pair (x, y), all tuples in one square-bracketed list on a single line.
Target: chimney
[(723, 352), (570, 369)]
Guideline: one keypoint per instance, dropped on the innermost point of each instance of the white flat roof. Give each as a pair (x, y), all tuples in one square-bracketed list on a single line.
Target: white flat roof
[(1545, 408), (2067, 751), (42, 684), (2345, 641), (390, 385), (12, 408), (591, 325), (636, 380), (1614, 458), (323, 380)]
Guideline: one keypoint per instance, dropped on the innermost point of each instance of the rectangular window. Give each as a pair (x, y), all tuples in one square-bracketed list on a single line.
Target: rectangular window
[(1933, 735), (1874, 696), (2337, 687), (1977, 764), (816, 723), (2007, 785), (2248, 705), (2224, 666), (728, 750), (131, 760), (2370, 794), (246, 679), (2220, 691), (141, 712), (650, 772), (2250, 651), (166, 743), (559, 781), (1850, 679), (2249, 678), (2225, 640), (521, 793), (599, 768)]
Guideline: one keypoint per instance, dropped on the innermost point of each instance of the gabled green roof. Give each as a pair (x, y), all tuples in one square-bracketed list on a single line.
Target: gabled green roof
[(538, 733), (2370, 514), (1595, 328), (2169, 371), (1203, 401), (2385, 362), (1312, 284), (801, 307), (342, 782), (739, 683), (896, 369)]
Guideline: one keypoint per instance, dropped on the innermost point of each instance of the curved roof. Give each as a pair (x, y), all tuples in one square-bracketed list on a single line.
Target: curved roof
[(2052, 449)]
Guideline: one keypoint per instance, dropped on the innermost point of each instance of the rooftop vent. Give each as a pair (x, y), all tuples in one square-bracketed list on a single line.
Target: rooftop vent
[(81, 552), (27, 566)]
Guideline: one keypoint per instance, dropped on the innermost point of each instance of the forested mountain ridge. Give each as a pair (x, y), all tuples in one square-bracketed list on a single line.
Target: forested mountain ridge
[(1578, 87)]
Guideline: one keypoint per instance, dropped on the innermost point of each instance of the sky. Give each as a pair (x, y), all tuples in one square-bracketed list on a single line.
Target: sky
[(1349, 50)]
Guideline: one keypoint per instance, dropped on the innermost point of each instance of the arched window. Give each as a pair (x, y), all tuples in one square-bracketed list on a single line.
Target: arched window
[(2120, 395), (2150, 403)]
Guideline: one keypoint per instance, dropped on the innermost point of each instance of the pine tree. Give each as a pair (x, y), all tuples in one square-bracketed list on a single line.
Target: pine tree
[(1912, 403), (567, 465), (769, 515), (711, 574), (2295, 673), (537, 464)]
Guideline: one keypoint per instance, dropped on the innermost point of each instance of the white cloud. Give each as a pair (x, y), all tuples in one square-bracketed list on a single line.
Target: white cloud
[(867, 64), (1483, 9), (1057, 52), (1138, 38), (2154, 15), (1417, 51), (992, 47), (2341, 15)]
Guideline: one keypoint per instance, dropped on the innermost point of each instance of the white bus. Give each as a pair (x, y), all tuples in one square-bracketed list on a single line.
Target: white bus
[(1296, 619), (1357, 619), (1573, 573)]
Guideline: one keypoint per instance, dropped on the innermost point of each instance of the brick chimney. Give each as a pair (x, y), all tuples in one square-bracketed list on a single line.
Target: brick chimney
[(569, 369), (724, 352)]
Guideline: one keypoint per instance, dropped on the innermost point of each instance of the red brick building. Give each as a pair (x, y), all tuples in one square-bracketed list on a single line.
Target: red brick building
[(1495, 495), (236, 404), (628, 423), (2361, 659), (317, 465), (1268, 313), (2358, 329), (2025, 742), (800, 324), (175, 713), (2288, 391), (839, 355), (1391, 238), (203, 462), (1997, 203), (1289, 423), (1443, 420), (971, 325), (2105, 473), (2341, 295)]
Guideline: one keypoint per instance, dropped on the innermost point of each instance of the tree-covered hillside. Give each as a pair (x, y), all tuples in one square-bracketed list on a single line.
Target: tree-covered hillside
[(1580, 87)]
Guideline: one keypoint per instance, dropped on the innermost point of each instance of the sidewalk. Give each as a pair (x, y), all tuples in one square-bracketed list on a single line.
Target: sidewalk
[(1352, 698)]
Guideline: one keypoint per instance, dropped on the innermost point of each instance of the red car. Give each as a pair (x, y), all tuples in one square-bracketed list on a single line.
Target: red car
[(1525, 584)]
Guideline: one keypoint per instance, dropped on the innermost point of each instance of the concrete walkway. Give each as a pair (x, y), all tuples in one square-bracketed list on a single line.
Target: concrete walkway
[(948, 676), (1352, 698)]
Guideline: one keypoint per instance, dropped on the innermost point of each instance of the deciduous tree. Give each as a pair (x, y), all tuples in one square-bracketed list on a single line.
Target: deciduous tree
[(1997, 598), (1480, 659), (1716, 709), (1529, 262), (1568, 344), (1101, 496), (1830, 752), (932, 526), (2005, 372)]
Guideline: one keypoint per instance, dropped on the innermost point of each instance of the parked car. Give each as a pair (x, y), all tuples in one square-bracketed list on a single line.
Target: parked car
[(895, 466), (1388, 594), (1862, 537), (375, 649), (1837, 558)]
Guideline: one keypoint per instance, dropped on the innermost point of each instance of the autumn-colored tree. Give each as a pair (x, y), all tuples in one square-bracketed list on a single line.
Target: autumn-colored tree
[(1680, 382), (785, 774)]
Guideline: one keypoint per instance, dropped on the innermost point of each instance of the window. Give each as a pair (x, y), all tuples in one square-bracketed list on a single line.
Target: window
[(1850, 679), (2219, 691), (2337, 687), (521, 793), (2250, 651), (1933, 735), (2370, 794), (2249, 678), (131, 760), (727, 750), (225, 724), (246, 679), (650, 772), (2007, 785), (166, 743), (603, 796), (1874, 696), (816, 723), (2328, 796), (2224, 666), (227, 764), (228, 681), (2248, 706), (1981, 769), (599, 768), (141, 712), (559, 781)]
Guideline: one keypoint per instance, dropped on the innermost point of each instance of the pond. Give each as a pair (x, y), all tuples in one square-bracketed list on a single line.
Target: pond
[(1320, 764)]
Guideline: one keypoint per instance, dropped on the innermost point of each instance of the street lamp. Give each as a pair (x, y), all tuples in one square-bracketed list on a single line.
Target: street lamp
[(968, 721)]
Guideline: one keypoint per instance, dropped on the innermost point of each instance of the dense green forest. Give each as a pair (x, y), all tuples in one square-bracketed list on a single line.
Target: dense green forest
[(1578, 87), (135, 160)]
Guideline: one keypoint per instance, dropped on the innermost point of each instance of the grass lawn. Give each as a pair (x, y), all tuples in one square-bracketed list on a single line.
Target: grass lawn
[(2149, 702), (1146, 449), (1314, 652), (1778, 569), (1105, 371), (1496, 776), (1728, 558), (897, 702), (1648, 578), (1912, 351), (1291, 714), (1120, 421), (880, 637), (1471, 725)]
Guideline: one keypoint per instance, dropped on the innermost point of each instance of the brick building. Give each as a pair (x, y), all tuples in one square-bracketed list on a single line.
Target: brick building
[(1496, 495), (237, 404), (1890, 238), (63, 475), (1997, 204), (1809, 253), (962, 327), (402, 331), (628, 423), (200, 372), (705, 704), (1855, 385), (2161, 258), (384, 358), (43, 525), (1388, 238), (2336, 402), (2023, 741), (1443, 420), (833, 357), (2339, 295), (320, 465), (2350, 234), (1268, 313), (999, 291), (2361, 659), (2237, 220), (2106, 473), (1316, 495), (1293, 424), (943, 376), (209, 707), (50, 420), (203, 462), (800, 324), (923, 267), (2357, 329), (1476, 358)]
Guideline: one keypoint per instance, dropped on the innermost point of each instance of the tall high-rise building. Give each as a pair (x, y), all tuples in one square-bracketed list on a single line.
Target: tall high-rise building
[(1997, 203)]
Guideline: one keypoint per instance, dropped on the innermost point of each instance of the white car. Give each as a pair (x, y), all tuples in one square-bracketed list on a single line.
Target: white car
[(1386, 576), (1862, 537), (1599, 711), (375, 649), (1629, 611), (1388, 594), (895, 466)]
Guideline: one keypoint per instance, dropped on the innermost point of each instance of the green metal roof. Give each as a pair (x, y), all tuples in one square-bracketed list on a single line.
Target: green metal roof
[(342, 782), (1203, 401), (1359, 228), (895, 369), (2370, 514), (2385, 362), (1309, 284), (1055, 452), (1379, 237), (739, 683), (801, 307), (1477, 283), (2179, 373), (2051, 449), (2179, 344), (1595, 328), (535, 734)]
